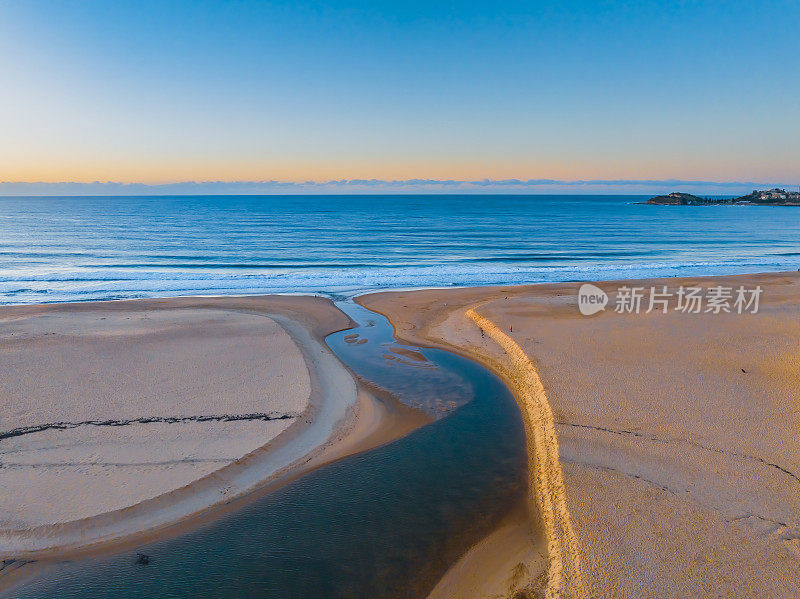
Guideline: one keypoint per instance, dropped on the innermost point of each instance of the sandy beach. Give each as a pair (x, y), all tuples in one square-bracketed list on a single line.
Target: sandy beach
[(664, 458), (663, 454), (122, 418)]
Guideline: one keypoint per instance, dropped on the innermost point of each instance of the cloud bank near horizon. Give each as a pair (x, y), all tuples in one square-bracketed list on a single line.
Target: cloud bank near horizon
[(367, 186)]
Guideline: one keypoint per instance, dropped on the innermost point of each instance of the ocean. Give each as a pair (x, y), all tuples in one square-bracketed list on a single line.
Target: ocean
[(55, 249)]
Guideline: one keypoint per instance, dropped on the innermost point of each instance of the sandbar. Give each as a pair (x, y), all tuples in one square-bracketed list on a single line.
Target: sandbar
[(126, 420)]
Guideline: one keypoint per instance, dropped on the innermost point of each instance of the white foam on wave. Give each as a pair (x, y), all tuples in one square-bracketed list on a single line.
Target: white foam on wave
[(22, 287)]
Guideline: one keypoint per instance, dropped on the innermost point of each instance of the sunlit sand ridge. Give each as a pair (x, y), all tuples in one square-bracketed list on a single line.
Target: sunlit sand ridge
[(546, 481)]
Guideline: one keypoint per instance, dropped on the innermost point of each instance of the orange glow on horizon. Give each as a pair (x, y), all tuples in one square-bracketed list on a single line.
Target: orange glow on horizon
[(164, 172)]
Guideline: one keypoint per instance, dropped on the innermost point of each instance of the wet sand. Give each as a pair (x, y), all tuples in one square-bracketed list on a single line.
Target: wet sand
[(123, 419), (499, 565), (677, 460)]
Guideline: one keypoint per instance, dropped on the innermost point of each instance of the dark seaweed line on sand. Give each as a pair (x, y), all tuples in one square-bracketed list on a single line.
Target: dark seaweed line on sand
[(26, 430)]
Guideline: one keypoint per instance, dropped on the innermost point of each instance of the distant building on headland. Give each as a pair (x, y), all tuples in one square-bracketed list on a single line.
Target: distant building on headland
[(770, 197), (776, 194)]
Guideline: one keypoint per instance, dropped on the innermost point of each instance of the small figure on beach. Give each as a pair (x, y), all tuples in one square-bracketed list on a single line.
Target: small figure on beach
[(142, 559), (482, 334)]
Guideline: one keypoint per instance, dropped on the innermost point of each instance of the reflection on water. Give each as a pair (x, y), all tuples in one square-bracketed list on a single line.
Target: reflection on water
[(386, 523)]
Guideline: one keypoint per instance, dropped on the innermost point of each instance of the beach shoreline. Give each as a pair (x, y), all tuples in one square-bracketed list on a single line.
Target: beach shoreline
[(619, 469)]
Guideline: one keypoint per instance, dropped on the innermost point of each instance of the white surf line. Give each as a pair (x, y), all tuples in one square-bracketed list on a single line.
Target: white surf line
[(545, 478)]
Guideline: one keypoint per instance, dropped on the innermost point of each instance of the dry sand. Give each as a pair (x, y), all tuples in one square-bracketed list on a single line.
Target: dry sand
[(120, 367), (675, 436), (163, 408)]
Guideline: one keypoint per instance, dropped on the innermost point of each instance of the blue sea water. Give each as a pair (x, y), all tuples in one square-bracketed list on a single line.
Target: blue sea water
[(82, 248)]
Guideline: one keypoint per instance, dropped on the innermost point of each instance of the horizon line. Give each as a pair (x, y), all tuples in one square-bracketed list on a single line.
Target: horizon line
[(381, 186)]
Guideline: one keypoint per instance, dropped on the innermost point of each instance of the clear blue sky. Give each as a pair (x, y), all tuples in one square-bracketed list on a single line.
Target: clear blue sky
[(172, 91)]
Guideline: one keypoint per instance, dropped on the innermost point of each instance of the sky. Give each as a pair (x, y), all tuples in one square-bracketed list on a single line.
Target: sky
[(280, 94)]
